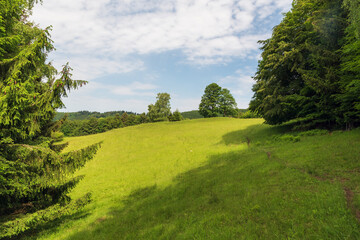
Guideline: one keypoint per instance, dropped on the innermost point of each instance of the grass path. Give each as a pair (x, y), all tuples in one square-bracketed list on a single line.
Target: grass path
[(199, 179)]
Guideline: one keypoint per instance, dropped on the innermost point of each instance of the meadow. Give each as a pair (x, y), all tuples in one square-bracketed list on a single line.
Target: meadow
[(218, 178)]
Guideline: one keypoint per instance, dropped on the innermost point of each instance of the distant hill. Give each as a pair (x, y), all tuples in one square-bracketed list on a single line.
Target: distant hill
[(192, 114), (82, 115)]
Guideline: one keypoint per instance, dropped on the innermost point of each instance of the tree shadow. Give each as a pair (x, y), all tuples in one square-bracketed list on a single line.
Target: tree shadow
[(173, 212), (255, 133), (50, 226), (237, 195)]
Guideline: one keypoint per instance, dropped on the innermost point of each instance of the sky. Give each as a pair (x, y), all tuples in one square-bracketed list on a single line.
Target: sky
[(130, 50)]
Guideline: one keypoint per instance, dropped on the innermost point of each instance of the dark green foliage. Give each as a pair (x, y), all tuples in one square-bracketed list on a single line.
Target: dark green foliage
[(33, 174), (349, 98), (86, 115), (248, 114), (209, 106), (37, 174), (175, 116), (95, 125), (217, 100), (286, 138), (227, 104), (191, 114), (299, 74), (353, 6), (125, 119), (314, 132), (14, 227)]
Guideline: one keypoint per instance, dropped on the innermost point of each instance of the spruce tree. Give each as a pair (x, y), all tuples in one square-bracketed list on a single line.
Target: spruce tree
[(349, 99), (298, 76), (34, 174)]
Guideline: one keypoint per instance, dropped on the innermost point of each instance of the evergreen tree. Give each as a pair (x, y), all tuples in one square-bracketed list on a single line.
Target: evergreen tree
[(33, 172), (297, 77)]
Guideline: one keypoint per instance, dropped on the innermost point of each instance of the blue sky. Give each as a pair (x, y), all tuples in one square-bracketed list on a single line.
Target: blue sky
[(130, 50)]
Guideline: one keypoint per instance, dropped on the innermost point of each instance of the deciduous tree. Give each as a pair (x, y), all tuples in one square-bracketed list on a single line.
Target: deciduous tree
[(217, 100), (161, 109)]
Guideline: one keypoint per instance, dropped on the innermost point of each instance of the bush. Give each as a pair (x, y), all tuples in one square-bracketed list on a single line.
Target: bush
[(287, 138), (314, 132)]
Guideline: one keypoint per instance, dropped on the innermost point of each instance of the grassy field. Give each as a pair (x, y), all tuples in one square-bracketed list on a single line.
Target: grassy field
[(217, 179)]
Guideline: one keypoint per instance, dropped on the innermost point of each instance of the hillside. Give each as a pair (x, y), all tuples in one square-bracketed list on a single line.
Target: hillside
[(192, 114), (217, 179), (85, 115)]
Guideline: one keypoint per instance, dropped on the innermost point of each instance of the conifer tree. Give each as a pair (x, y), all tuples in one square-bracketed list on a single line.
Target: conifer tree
[(349, 99), (34, 174), (298, 76)]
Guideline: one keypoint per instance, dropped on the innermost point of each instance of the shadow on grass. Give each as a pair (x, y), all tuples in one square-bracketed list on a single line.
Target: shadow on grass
[(255, 133), (50, 226), (193, 205), (237, 195)]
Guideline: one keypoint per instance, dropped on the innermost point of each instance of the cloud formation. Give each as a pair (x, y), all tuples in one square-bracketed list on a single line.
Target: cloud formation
[(206, 31), (118, 37)]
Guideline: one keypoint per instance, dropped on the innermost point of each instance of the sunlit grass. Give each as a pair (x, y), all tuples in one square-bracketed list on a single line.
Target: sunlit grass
[(216, 179)]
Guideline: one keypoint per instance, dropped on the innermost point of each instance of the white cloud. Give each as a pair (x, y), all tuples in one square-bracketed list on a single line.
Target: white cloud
[(184, 104), (134, 89), (92, 32), (89, 67), (103, 37), (240, 86), (103, 104)]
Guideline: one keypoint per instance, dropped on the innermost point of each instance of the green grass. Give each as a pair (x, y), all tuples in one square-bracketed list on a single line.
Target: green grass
[(217, 179)]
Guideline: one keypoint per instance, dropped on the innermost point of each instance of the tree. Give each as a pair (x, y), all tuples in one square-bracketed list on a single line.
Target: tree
[(227, 104), (125, 119), (349, 98), (33, 172), (161, 109), (209, 105), (142, 118), (217, 101), (297, 77), (175, 116)]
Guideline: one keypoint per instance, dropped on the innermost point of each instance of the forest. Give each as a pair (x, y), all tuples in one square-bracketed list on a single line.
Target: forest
[(309, 72)]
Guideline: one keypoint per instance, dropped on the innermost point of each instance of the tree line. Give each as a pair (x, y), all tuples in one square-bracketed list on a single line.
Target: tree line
[(83, 115), (216, 102), (309, 72), (160, 111)]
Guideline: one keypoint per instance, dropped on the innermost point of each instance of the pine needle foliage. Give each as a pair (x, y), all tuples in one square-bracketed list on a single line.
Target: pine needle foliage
[(309, 70), (35, 176)]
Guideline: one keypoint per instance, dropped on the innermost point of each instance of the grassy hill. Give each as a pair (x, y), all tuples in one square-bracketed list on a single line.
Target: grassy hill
[(192, 114), (217, 179)]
